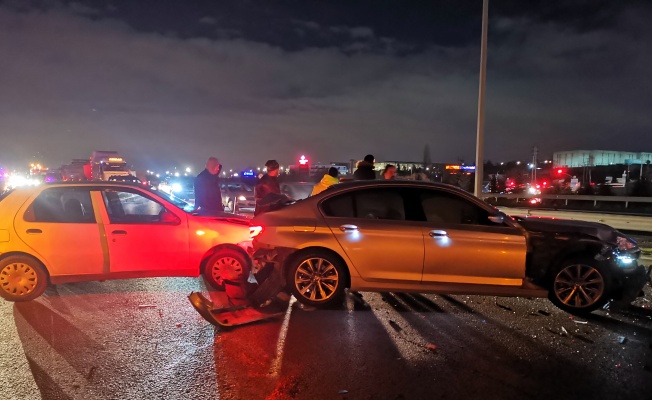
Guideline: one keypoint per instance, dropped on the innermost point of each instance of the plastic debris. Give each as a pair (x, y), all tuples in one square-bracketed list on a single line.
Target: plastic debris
[(178, 325), (565, 332), (580, 322), (343, 391), (431, 347), (147, 306), (622, 339)]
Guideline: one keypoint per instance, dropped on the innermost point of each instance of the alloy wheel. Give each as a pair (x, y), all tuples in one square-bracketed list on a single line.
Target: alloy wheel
[(579, 285), (316, 279)]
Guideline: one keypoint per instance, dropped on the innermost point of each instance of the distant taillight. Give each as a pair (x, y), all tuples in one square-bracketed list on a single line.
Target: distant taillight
[(255, 231)]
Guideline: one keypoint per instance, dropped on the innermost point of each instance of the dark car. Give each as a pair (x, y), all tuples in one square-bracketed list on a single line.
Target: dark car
[(410, 236), (238, 197), (125, 179)]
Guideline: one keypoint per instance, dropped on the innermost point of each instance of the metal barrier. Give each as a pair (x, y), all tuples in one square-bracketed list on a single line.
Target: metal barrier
[(627, 222), (567, 197)]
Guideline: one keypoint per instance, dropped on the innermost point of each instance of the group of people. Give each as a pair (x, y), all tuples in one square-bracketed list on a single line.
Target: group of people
[(208, 194), (365, 170)]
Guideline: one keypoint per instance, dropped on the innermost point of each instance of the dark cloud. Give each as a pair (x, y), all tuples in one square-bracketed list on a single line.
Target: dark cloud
[(76, 78)]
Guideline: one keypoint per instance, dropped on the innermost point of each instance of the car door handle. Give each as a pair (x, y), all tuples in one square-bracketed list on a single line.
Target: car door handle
[(348, 228), (437, 233), (119, 232), (34, 231)]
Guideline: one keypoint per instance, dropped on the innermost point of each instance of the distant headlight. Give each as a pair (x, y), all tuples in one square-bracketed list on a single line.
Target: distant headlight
[(176, 187), (242, 198)]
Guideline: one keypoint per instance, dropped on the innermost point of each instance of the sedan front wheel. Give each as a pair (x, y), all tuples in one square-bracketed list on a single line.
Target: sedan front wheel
[(580, 286)]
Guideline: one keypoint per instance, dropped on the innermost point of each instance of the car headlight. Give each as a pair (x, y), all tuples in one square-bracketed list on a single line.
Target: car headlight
[(176, 187), (242, 198)]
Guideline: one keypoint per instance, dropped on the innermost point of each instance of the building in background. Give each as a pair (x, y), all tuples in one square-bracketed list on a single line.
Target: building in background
[(594, 158)]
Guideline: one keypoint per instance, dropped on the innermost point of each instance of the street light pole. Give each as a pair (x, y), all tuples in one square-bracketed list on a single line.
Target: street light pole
[(479, 147)]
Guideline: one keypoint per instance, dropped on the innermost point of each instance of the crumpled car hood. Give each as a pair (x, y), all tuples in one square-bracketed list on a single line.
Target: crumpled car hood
[(602, 232)]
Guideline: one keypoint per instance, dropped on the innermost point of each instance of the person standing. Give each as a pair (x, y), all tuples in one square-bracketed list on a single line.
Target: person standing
[(329, 179), (208, 196), (365, 169), (389, 173), (267, 185)]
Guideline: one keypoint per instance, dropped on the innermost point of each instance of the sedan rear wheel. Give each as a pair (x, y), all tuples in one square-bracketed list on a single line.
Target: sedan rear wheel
[(580, 287), (22, 278), (317, 279), (226, 266)]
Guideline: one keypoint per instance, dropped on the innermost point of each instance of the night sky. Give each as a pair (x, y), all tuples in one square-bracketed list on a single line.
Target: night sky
[(172, 82)]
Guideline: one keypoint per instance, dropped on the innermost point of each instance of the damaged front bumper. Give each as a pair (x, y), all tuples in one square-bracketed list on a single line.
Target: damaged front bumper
[(227, 317), (632, 284)]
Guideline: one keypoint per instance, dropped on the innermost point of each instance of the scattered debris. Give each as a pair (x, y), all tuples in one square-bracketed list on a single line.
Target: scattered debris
[(484, 321), (622, 339), (431, 347), (580, 322), (394, 325), (160, 313), (343, 391), (178, 325), (147, 306), (564, 331), (504, 307), (542, 312)]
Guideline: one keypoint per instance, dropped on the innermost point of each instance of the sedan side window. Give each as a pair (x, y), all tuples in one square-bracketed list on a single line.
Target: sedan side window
[(380, 204), (367, 203), (444, 207), (64, 205), (339, 206), (131, 207)]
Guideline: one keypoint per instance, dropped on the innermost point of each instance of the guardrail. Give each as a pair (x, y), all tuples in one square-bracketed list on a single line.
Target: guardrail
[(626, 222), (567, 197)]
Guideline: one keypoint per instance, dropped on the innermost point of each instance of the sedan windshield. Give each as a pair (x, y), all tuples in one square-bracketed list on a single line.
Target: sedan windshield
[(187, 207)]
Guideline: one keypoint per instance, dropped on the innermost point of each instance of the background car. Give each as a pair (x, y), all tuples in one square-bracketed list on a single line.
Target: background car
[(125, 179), (409, 236), (182, 187), (238, 197), (297, 190), (57, 233)]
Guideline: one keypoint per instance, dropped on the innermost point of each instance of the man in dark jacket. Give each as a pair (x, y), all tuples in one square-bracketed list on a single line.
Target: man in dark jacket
[(208, 196), (267, 190), (365, 169)]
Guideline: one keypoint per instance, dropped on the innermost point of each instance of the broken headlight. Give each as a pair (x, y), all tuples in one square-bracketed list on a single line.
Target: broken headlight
[(624, 243)]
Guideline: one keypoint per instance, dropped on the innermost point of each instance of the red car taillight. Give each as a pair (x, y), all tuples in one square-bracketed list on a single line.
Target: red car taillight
[(255, 231)]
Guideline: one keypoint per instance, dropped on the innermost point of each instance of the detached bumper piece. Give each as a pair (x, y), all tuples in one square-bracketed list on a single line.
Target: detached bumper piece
[(227, 317), (633, 283)]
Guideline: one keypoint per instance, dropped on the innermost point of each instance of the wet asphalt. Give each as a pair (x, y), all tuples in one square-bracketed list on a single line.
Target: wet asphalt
[(141, 339)]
